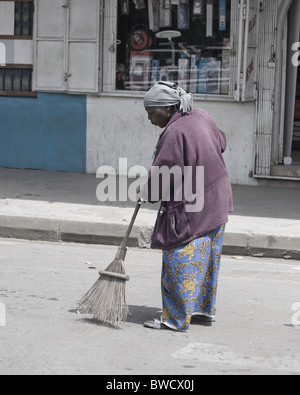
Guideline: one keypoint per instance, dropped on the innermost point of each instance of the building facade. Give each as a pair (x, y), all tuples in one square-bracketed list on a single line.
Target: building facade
[(73, 75)]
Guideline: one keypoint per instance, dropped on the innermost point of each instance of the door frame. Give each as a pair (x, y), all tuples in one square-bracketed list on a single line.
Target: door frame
[(280, 85)]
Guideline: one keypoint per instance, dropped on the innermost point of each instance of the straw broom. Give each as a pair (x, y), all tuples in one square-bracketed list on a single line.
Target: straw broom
[(106, 300)]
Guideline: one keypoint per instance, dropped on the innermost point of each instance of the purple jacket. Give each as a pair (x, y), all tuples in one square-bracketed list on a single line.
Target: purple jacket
[(198, 196)]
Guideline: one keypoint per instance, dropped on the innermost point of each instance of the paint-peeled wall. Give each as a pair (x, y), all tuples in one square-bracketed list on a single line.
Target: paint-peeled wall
[(46, 133), (119, 128)]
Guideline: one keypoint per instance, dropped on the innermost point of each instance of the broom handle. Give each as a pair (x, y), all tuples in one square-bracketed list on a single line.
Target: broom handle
[(124, 242), (122, 249)]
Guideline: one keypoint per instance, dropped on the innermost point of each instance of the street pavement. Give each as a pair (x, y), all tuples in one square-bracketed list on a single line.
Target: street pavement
[(41, 333), (63, 207)]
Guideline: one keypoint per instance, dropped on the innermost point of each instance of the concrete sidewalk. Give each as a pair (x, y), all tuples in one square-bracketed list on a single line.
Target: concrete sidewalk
[(39, 205)]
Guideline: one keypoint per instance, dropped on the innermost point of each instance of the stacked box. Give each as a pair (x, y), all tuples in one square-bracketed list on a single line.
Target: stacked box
[(209, 76)]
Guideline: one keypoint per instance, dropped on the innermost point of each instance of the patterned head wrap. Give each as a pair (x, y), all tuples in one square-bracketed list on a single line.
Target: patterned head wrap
[(165, 94)]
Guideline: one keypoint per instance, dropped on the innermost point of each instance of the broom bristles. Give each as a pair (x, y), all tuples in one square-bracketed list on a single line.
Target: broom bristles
[(106, 299)]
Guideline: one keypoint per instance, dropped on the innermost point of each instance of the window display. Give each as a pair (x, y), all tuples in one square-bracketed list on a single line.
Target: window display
[(185, 41)]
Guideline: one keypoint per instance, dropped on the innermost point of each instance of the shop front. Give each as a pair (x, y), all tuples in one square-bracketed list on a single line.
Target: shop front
[(234, 56)]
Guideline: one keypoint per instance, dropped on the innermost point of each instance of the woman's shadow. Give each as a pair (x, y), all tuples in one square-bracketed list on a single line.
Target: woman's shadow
[(140, 314), (136, 315)]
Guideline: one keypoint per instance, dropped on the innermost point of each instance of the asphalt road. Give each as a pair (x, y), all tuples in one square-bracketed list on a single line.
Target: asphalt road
[(257, 329)]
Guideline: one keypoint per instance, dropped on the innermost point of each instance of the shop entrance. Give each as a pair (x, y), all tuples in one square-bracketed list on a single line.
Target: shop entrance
[(291, 140), (288, 163)]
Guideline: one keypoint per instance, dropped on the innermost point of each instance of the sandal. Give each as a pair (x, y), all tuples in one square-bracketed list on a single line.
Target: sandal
[(155, 324)]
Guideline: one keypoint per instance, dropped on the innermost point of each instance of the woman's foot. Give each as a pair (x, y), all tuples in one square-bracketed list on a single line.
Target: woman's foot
[(204, 320)]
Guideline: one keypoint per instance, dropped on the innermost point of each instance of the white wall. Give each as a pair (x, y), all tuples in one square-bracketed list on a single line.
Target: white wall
[(18, 51), (237, 120), (119, 128)]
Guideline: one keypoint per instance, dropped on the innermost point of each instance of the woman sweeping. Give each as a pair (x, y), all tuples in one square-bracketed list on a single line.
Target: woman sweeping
[(194, 205)]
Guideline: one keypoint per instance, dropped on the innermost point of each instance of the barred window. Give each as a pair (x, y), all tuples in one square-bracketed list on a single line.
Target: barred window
[(23, 18), (16, 80), (16, 19)]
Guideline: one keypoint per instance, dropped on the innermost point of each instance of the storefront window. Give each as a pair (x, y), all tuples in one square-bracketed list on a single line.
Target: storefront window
[(175, 40)]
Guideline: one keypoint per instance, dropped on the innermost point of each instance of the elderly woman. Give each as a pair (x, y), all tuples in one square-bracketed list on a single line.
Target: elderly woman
[(195, 203)]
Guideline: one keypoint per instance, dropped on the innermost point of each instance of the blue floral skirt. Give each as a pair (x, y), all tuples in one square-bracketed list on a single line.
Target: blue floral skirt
[(189, 280)]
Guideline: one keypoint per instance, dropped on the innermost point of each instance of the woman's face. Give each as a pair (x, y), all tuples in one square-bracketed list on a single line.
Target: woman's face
[(159, 116)]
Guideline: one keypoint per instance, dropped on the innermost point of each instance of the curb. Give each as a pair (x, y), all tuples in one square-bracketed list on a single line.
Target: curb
[(68, 231)]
